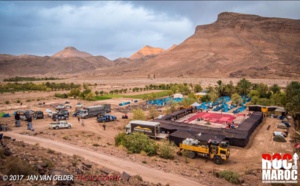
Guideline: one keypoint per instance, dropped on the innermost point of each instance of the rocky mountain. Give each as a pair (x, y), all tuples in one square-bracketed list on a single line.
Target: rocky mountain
[(71, 52), (236, 45), (146, 51), (28, 66)]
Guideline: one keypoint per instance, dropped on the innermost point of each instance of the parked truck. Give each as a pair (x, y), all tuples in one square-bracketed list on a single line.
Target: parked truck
[(212, 149), (93, 111), (152, 129), (60, 125)]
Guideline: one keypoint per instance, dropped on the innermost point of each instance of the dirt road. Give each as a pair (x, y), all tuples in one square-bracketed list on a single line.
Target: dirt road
[(117, 164)]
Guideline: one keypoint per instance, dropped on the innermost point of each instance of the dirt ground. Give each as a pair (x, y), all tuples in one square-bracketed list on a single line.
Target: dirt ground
[(246, 161)]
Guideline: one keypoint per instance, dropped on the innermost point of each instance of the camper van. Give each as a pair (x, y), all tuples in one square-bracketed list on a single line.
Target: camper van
[(152, 129)]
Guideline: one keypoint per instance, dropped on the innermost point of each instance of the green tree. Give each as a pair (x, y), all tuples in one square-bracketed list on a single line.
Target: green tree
[(138, 114), (278, 99), (198, 88), (253, 93), (264, 102), (75, 92), (244, 86), (254, 100), (166, 150), (263, 90), (220, 88), (186, 102), (275, 89), (184, 89), (90, 96), (213, 95), (236, 99), (153, 113), (293, 101), (229, 89)]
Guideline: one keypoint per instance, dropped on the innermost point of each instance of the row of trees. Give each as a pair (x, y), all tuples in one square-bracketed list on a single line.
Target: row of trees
[(20, 78), (15, 87)]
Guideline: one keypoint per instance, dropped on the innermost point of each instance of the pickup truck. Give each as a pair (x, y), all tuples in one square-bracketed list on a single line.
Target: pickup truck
[(106, 118), (60, 125)]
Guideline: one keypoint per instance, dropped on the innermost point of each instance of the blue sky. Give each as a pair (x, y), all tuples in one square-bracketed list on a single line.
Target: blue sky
[(115, 28)]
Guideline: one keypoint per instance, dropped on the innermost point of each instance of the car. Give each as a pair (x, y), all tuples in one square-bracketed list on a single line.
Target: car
[(60, 124)]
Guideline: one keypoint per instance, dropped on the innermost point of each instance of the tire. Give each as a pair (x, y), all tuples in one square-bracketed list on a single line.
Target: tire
[(190, 154), (69, 127), (218, 160), (56, 127)]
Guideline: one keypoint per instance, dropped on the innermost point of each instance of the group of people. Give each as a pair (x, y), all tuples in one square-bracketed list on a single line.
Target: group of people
[(230, 125), (28, 119), (82, 122)]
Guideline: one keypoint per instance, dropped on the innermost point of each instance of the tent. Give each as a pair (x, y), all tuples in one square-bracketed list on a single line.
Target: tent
[(178, 96), (195, 104)]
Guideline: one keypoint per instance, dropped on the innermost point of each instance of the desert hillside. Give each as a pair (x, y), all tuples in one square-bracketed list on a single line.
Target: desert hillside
[(236, 45), (146, 51), (71, 52)]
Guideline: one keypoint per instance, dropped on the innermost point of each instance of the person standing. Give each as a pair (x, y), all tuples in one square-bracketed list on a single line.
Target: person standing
[(104, 126), (29, 123), (78, 118), (82, 122), (17, 118)]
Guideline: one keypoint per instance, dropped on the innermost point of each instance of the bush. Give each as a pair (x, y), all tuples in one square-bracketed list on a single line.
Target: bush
[(138, 114), (136, 143), (96, 145), (15, 166), (51, 151), (230, 176), (166, 150), (58, 95), (7, 102), (119, 138), (18, 101)]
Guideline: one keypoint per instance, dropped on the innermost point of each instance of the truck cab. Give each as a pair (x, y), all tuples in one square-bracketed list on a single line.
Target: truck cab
[(212, 149)]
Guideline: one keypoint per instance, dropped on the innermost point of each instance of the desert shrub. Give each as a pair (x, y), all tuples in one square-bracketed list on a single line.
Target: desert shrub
[(119, 138), (136, 143), (2, 156), (48, 162), (15, 166), (144, 162), (279, 139), (138, 114), (58, 95), (96, 145), (28, 100), (7, 102), (18, 101), (166, 150), (50, 151), (230, 176), (139, 177)]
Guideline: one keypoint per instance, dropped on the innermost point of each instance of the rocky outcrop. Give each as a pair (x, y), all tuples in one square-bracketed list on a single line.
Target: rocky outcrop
[(236, 45), (146, 51), (71, 52)]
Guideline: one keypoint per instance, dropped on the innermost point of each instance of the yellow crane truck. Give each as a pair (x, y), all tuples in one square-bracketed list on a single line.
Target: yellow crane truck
[(212, 149)]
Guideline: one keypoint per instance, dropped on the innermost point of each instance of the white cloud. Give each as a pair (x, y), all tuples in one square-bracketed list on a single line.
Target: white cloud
[(100, 27)]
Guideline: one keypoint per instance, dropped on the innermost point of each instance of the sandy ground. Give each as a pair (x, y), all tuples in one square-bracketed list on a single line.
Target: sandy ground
[(111, 162)]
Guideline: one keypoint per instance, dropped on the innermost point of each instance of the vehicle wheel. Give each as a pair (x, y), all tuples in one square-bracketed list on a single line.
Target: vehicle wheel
[(56, 127), (218, 160), (179, 153), (190, 154), (69, 127)]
